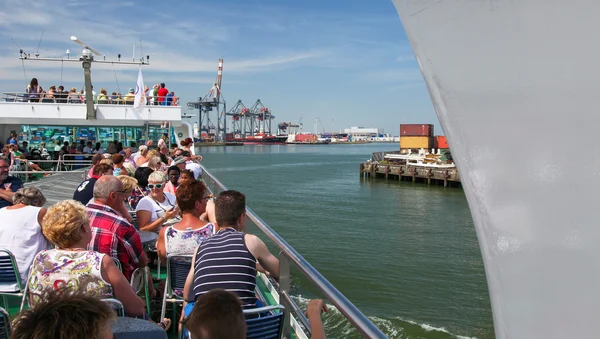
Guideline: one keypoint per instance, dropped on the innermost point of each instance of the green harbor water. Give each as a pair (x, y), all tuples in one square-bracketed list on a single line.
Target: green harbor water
[(406, 254)]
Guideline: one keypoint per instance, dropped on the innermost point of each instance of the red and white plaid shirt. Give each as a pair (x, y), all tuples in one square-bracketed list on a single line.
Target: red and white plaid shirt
[(115, 236)]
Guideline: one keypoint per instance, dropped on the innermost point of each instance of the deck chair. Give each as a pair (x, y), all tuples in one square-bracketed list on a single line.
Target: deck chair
[(116, 305), (118, 263), (269, 326), (178, 267), (139, 283), (10, 279), (4, 324)]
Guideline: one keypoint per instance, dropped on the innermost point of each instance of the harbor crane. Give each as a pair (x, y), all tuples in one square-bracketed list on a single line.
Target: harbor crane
[(213, 100), (260, 118), (238, 114)]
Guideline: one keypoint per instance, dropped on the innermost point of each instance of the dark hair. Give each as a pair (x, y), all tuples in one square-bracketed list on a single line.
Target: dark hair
[(61, 87), (118, 158), (98, 145), (188, 173), (96, 158), (142, 174), (217, 315), (174, 168), (188, 193), (162, 85), (229, 206), (63, 316), (34, 82), (101, 169)]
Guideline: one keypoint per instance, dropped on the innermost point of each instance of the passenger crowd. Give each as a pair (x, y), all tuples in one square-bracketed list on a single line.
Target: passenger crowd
[(158, 95), (77, 252)]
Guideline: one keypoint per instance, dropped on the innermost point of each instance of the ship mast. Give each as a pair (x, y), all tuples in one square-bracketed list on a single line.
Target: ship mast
[(86, 59)]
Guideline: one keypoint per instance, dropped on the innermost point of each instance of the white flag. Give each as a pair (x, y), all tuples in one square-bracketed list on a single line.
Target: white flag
[(140, 98)]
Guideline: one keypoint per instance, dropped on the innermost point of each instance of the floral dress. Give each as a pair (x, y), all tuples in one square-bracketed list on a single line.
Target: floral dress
[(68, 271), (185, 242)]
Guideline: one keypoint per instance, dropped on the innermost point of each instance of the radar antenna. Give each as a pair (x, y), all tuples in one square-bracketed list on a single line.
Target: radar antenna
[(86, 59), (85, 46)]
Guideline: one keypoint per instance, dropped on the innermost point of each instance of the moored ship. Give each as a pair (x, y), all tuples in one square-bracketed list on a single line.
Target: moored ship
[(258, 139)]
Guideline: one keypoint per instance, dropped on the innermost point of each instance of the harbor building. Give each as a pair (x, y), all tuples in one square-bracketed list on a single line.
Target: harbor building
[(363, 133)]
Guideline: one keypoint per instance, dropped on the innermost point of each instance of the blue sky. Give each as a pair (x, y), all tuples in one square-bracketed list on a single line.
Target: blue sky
[(348, 65)]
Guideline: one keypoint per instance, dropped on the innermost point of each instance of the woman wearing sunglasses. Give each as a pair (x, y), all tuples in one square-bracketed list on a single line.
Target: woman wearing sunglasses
[(157, 207)]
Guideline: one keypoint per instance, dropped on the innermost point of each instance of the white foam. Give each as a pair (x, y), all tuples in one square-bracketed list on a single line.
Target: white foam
[(391, 329)]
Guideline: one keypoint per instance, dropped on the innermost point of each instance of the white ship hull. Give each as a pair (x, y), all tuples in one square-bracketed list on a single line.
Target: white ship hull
[(515, 86)]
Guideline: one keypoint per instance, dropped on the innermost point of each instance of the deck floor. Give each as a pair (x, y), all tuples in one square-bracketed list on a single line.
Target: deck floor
[(58, 187)]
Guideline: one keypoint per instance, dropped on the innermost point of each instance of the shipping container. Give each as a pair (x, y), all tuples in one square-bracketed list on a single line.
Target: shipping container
[(416, 142), (440, 142), (416, 130), (306, 138)]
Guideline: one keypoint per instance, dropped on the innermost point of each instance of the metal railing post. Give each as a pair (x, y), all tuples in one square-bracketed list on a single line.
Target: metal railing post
[(285, 282), (27, 170)]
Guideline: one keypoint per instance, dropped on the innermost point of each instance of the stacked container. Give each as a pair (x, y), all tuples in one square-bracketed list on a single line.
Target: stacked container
[(416, 136), (440, 142)]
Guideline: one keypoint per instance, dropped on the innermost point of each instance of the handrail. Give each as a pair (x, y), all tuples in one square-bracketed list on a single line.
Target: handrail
[(76, 98), (351, 312)]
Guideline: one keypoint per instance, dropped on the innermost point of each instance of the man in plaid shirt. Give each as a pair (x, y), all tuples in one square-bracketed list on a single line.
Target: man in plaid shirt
[(111, 233)]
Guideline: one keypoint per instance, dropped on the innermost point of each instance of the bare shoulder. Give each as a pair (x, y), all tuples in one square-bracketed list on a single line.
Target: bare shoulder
[(253, 242)]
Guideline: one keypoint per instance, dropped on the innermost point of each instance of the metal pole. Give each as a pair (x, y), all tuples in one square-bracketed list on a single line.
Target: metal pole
[(89, 96), (284, 288)]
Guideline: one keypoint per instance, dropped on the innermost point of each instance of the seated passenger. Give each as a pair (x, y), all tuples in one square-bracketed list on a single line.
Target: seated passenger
[(54, 317), (71, 267), (228, 259), (186, 175), (217, 315), (96, 158), (85, 191), (113, 234), (173, 174), (129, 98), (21, 230), (158, 207), (141, 175), (73, 97), (185, 236), (103, 96), (192, 165), (8, 183)]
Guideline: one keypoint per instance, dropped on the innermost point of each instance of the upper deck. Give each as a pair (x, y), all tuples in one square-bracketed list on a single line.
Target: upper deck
[(15, 110)]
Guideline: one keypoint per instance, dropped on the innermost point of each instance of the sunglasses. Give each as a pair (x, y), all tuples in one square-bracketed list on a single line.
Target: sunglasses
[(158, 186)]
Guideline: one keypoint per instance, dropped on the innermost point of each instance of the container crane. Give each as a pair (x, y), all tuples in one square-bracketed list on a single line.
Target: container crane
[(238, 115), (260, 118)]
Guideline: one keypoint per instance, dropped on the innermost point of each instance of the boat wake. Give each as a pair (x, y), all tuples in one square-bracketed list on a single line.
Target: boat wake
[(396, 327)]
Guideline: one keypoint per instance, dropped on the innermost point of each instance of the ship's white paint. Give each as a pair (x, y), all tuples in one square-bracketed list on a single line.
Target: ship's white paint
[(515, 86), (75, 114)]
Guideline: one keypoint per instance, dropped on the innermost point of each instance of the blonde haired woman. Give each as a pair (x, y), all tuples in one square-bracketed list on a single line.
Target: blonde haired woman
[(158, 207), (141, 159), (70, 267)]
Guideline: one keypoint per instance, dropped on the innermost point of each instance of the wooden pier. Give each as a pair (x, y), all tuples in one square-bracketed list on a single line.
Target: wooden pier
[(428, 175)]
